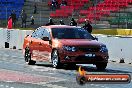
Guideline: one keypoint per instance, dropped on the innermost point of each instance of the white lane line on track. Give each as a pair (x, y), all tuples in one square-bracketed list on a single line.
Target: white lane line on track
[(21, 57), (96, 85), (50, 85), (6, 86), (45, 69), (56, 79), (102, 86), (1, 85), (14, 56), (106, 87), (9, 81), (45, 84), (91, 84), (10, 61), (9, 58), (54, 86), (11, 87), (36, 68), (5, 55)]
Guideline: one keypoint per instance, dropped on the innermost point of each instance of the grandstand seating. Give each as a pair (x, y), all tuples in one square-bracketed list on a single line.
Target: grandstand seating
[(6, 7), (103, 8), (121, 19), (66, 11), (100, 12), (41, 17)]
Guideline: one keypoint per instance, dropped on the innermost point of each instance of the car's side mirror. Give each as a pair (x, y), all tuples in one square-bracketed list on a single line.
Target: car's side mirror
[(26, 36), (45, 38), (95, 38)]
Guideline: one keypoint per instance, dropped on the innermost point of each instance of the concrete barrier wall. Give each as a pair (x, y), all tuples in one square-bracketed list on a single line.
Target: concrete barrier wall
[(14, 37), (1, 38), (118, 47)]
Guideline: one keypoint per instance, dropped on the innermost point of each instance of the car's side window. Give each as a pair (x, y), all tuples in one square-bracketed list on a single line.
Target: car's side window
[(44, 33), (41, 32), (35, 33)]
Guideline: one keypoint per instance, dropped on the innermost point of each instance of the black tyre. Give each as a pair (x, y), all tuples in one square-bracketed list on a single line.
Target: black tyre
[(27, 57), (101, 66), (55, 59)]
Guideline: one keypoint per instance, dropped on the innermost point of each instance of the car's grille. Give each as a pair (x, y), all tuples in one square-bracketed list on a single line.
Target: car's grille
[(89, 49), (83, 58)]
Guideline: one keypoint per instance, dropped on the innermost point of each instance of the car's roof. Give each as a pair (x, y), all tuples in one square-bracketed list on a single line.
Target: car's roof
[(60, 26)]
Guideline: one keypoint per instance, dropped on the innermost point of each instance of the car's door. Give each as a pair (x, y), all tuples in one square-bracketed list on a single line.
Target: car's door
[(45, 45), (34, 44)]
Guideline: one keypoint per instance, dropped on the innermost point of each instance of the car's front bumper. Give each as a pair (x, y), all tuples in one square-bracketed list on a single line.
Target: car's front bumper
[(83, 57)]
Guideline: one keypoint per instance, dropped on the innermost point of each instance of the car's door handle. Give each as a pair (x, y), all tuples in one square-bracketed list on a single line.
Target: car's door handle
[(40, 43)]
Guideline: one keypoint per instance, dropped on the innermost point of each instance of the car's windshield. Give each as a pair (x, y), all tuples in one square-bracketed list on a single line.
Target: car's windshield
[(71, 33)]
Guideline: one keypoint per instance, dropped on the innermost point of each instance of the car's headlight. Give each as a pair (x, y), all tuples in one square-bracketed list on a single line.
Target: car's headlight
[(103, 49), (70, 48)]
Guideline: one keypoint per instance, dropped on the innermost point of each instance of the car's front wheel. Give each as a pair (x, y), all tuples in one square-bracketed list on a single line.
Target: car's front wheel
[(27, 57), (55, 59), (101, 66)]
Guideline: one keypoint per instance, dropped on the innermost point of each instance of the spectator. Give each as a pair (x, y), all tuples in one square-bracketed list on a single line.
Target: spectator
[(54, 4), (64, 3), (50, 22), (35, 9), (95, 2), (13, 16), (62, 22), (9, 25), (32, 20), (87, 26), (73, 22), (23, 18)]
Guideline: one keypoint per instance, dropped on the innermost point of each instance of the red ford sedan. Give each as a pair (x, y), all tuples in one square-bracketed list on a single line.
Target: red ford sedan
[(62, 44)]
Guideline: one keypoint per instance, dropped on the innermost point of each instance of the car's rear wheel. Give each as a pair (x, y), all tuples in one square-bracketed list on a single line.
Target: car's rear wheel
[(55, 59), (101, 66), (27, 57)]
